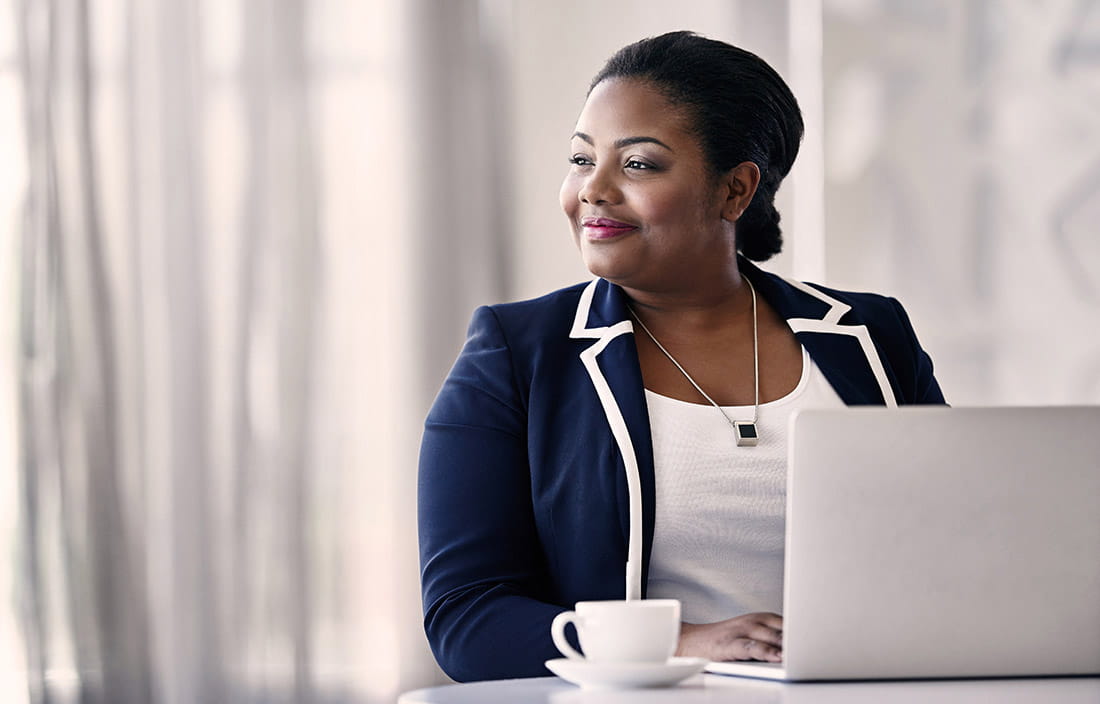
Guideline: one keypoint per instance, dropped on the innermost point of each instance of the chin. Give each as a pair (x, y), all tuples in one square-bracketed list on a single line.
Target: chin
[(607, 262), (607, 270)]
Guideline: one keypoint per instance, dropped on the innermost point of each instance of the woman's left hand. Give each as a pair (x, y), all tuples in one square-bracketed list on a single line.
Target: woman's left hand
[(757, 636)]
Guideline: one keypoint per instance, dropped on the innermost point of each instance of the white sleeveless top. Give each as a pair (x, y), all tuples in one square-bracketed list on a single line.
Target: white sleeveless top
[(720, 509)]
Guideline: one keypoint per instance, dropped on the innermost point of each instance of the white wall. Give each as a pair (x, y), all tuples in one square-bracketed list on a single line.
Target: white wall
[(963, 162), (556, 49)]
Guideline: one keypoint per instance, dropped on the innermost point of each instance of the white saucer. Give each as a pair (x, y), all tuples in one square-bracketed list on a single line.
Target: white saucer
[(625, 675)]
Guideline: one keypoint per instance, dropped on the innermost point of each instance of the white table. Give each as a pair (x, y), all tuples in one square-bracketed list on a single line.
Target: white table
[(716, 688)]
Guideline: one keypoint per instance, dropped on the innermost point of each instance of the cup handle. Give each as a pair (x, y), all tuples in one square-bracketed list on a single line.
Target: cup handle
[(557, 632)]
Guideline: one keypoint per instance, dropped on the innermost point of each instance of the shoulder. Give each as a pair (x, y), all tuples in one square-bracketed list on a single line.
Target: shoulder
[(813, 306), (883, 315), (506, 344), (805, 299), (891, 332), (864, 305), (563, 299), (534, 320)]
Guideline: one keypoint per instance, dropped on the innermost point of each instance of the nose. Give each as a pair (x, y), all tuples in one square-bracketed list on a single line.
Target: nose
[(598, 187)]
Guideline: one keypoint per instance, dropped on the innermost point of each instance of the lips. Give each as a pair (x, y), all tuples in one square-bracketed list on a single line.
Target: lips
[(604, 228)]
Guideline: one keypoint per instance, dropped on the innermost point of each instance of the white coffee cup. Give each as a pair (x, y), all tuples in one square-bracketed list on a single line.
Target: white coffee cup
[(641, 630)]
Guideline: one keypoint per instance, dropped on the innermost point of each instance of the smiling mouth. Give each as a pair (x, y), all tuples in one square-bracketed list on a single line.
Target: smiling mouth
[(604, 228)]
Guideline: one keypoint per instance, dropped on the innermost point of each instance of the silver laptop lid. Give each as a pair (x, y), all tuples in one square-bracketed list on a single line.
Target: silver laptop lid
[(943, 542)]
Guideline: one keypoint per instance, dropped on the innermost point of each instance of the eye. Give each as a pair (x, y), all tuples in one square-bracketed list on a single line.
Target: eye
[(639, 165), (580, 160)]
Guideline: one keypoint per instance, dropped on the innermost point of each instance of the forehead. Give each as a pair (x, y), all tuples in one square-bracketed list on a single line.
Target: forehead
[(625, 107)]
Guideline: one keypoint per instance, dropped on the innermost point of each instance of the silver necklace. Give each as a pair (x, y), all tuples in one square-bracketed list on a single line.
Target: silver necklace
[(743, 430)]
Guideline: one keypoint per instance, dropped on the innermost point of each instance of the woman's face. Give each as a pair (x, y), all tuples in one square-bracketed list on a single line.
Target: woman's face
[(645, 210)]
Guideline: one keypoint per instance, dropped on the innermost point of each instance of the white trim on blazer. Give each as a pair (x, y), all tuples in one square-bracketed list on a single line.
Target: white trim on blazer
[(621, 433), (829, 324)]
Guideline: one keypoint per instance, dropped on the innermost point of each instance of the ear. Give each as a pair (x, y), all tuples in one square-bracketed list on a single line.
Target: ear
[(739, 184)]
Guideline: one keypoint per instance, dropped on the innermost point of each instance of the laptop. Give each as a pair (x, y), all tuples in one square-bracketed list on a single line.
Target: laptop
[(934, 542)]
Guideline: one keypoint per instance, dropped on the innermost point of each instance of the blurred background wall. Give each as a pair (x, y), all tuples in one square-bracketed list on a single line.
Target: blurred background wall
[(240, 242)]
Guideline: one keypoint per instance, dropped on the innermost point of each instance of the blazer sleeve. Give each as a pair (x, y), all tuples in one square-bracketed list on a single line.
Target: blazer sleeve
[(921, 386), (482, 566)]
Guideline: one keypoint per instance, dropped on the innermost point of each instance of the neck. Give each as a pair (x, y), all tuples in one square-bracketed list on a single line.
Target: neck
[(745, 431), (702, 307)]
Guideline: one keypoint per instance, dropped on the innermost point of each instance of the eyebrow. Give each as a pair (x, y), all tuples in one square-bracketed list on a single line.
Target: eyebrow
[(627, 141)]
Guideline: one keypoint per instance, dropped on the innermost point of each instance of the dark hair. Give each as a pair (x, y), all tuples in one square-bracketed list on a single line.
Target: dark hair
[(740, 109)]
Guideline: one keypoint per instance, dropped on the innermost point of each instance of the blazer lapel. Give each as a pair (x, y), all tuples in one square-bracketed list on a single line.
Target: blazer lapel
[(611, 362), (821, 323), (841, 346)]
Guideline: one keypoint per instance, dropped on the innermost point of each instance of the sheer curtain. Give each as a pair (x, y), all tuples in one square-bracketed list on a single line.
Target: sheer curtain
[(239, 241), (239, 224)]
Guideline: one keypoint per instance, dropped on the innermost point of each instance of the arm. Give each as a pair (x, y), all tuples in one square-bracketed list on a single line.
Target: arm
[(925, 390), (483, 574)]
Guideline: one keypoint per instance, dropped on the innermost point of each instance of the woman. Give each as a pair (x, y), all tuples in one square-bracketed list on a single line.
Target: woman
[(641, 419)]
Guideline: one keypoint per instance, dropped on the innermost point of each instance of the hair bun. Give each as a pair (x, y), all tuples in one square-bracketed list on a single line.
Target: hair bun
[(758, 235)]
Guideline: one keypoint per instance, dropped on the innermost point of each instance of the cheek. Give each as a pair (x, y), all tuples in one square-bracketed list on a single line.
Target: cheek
[(567, 196), (684, 207), (664, 206)]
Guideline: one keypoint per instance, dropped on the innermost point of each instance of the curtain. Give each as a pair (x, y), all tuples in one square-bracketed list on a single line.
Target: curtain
[(240, 228)]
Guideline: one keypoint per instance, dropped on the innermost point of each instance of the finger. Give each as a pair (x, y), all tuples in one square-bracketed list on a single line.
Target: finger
[(765, 634), (770, 620), (758, 650)]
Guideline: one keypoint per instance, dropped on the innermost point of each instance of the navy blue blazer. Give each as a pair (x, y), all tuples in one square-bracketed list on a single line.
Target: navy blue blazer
[(537, 457)]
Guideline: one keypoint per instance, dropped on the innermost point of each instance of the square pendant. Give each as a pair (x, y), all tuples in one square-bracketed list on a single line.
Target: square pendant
[(745, 432)]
